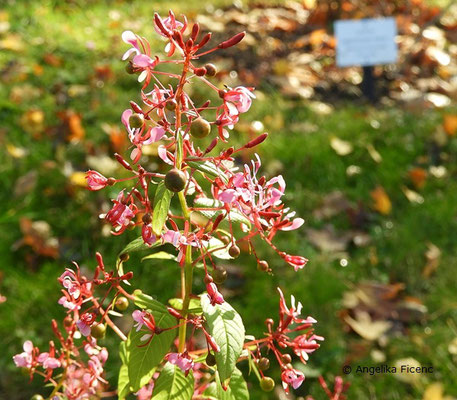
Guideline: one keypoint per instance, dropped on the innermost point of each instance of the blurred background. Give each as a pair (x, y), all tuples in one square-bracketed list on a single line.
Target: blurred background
[(375, 182)]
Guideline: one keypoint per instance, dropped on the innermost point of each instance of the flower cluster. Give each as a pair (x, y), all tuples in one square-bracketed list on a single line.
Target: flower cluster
[(221, 208)]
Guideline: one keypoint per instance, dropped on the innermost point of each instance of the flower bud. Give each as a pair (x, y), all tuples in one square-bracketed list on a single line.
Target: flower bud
[(234, 40), (98, 331), (136, 120), (200, 71), (267, 384), (121, 303), (211, 69), (175, 180), (234, 251), (200, 128)]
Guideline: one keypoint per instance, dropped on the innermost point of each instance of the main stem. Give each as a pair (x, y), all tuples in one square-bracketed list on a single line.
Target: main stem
[(187, 270)]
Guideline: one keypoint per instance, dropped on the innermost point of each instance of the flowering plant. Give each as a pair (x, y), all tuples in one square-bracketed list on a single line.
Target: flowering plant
[(189, 349)]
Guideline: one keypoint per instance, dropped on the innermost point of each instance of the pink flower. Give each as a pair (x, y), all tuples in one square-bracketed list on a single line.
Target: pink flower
[(293, 378), (139, 317), (181, 360), (170, 24), (213, 294), (85, 322), (120, 215), (48, 361), (130, 38), (298, 262), (95, 180), (24, 360), (238, 100), (148, 236), (305, 344), (288, 315), (145, 393)]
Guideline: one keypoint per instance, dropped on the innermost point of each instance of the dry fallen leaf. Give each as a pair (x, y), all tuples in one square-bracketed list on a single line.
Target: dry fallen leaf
[(405, 376), (412, 196), (418, 177), (341, 147), (450, 124), (374, 153), (332, 204), (37, 234), (433, 256), (381, 201), (364, 326)]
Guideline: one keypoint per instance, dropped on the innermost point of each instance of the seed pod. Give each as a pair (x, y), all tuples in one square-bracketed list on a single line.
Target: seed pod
[(211, 69), (67, 322), (264, 364), (98, 331), (200, 128), (129, 68), (175, 180), (124, 257), (210, 360), (171, 104), (136, 120), (122, 303), (147, 218), (234, 251), (267, 384), (263, 266), (219, 275), (37, 397), (286, 358)]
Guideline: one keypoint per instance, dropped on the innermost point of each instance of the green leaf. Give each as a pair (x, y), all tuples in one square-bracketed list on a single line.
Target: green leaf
[(162, 200), (223, 249), (226, 327), (237, 389), (235, 215), (142, 360), (194, 305), (172, 384), (123, 383), (160, 255), (207, 167)]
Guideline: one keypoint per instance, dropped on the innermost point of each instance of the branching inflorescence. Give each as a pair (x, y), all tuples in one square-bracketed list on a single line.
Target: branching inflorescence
[(190, 348)]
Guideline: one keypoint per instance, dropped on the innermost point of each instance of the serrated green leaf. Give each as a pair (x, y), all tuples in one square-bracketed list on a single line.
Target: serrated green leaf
[(160, 255), (194, 305), (162, 200), (226, 327), (142, 360), (172, 384), (235, 216)]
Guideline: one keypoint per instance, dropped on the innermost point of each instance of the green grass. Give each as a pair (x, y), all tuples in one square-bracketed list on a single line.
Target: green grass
[(298, 147)]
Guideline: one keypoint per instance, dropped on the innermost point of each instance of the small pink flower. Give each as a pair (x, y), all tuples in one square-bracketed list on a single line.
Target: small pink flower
[(130, 38), (292, 313), (120, 215), (48, 361), (170, 24), (145, 393), (148, 236), (305, 344), (238, 100), (24, 360), (95, 180), (293, 378), (298, 262), (181, 360), (213, 294)]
